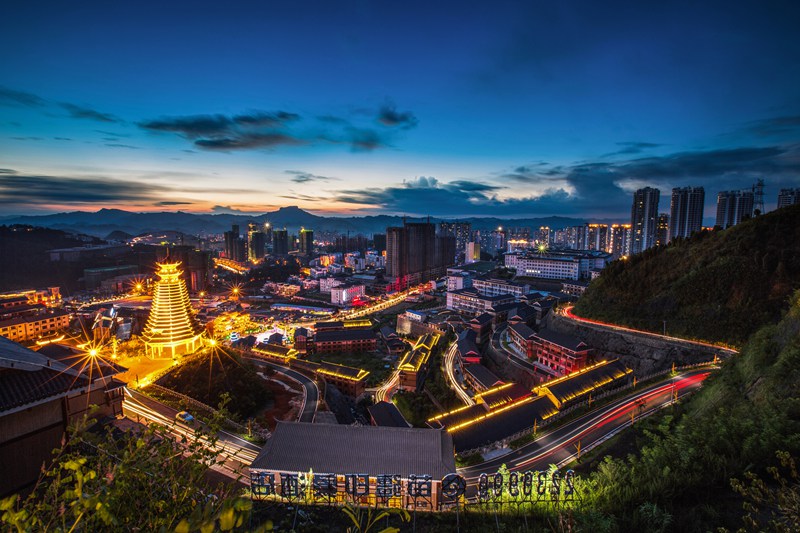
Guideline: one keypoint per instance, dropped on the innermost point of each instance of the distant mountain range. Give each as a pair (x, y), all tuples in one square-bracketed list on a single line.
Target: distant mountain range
[(104, 222)]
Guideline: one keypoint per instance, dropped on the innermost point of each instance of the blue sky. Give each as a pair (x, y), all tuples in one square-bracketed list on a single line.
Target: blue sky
[(448, 109)]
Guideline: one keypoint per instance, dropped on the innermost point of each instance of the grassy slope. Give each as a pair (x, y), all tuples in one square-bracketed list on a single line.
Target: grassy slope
[(717, 286)]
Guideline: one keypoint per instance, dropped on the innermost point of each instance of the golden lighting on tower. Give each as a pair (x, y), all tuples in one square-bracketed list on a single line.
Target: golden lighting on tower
[(171, 329)]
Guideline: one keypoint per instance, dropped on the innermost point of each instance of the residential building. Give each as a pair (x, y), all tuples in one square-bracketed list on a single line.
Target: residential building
[(733, 207), (488, 286), (662, 230), (473, 252), (561, 352), (788, 197), (415, 254), (619, 242), (31, 327), (461, 232), (471, 301), (479, 378), (644, 219), (546, 266), (686, 211), (414, 367), (306, 242), (280, 242), (235, 247), (256, 242), (523, 337)]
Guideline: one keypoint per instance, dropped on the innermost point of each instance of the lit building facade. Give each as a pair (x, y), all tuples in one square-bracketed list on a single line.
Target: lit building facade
[(26, 328), (343, 295), (662, 230), (560, 352), (619, 243), (306, 241), (171, 328)]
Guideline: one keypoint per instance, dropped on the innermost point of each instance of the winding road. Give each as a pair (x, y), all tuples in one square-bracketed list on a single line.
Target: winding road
[(559, 446)]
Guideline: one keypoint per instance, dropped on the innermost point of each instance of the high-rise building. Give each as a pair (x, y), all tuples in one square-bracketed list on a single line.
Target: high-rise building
[(733, 207), (306, 241), (256, 242), (644, 219), (280, 242), (686, 211), (619, 243), (544, 236), (379, 241), (473, 252), (595, 237), (788, 197), (414, 253), (171, 328), (461, 231), (662, 229), (235, 246)]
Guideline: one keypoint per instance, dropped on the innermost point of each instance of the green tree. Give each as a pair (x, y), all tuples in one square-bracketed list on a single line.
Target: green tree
[(137, 481)]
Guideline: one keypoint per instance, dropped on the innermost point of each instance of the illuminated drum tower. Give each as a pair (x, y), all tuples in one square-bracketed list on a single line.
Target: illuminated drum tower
[(171, 329)]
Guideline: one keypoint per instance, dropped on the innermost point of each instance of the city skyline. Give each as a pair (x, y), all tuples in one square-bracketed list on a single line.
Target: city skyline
[(359, 109)]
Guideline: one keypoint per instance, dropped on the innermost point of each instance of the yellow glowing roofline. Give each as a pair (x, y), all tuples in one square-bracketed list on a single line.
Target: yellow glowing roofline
[(576, 373), (489, 391), (490, 414), (454, 411)]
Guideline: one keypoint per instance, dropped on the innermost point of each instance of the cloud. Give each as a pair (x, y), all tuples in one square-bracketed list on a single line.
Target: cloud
[(168, 203), (44, 190), (775, 127), (247, 141), (266, 119), (192, 126), (10, 97), (80, 112), (631, 148), (262, 129), (298, 176), (62, 138), (389, 116), (228, 210), (7, 171), (598, 188), (25, 190), (118, 145)]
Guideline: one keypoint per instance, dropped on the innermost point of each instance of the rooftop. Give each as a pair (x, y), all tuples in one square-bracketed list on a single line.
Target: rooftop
[(522, 329), (373, 450), (482, 375), (386, 414), (345, 335), (579, 383), (562, 339)]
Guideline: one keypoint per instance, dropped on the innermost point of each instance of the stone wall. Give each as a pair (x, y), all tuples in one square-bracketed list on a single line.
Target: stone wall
[(643, 353)]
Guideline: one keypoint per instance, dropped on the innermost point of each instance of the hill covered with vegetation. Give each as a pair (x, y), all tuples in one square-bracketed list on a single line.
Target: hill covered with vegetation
[(717, 285), (207, 378), (734, 426)]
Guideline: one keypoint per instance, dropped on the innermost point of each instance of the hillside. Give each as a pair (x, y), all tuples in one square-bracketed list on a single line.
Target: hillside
[(719, 286), (742, 416)]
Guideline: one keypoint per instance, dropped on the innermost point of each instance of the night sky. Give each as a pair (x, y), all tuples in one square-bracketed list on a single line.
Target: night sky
[(448, 109)]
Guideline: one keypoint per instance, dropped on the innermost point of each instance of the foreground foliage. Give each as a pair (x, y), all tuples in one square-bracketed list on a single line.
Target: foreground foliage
[(133, 481)]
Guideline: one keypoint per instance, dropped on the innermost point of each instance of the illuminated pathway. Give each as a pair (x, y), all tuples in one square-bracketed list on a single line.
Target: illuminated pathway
[(449, 371), (567, 313), (559, 445)]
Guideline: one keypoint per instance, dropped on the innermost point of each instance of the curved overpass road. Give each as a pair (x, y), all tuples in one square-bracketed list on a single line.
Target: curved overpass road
[(559, 445), (311, 391)]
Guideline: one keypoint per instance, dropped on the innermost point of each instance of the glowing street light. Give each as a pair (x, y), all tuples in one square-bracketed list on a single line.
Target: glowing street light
[(93, 352)]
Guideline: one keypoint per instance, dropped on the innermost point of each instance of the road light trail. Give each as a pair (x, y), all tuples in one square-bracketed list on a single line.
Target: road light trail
[(572, 316), (236, 457), (555, 446), (449, 363)]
